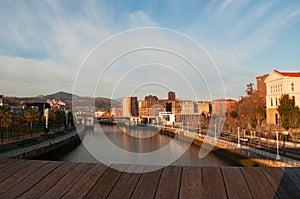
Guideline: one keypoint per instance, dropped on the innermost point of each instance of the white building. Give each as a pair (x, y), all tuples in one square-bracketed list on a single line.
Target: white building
[(188, 107), (125, 107), (278, 84)]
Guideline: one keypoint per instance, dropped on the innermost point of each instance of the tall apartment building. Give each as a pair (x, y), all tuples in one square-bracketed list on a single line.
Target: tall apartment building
[(171, 95), (130, 106), (278, 84)]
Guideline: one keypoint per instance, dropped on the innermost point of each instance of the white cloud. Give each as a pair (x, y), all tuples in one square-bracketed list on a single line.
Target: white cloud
[(140, 18), (52, 36), (33, 77)]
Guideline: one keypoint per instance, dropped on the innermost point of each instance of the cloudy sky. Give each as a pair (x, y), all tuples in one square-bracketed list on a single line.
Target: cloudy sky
[(50, 46)]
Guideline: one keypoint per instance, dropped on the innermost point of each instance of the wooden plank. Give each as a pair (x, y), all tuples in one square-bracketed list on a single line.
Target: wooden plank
[(30, 181), (82, 187), (294, 174), (281, 183), (106, 183), (3, 160), (147, 185), (169, 183), (235, 183), (12, 169), (212, 182), (20, 175), (6, 162), (45, 184), (191, 183), (65, 183), (258, 184), (127, 182)]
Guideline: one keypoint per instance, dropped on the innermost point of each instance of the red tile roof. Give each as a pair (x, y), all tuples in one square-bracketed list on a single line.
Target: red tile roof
[(289, 74)]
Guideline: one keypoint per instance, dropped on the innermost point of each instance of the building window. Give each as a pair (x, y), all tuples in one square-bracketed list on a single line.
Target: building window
[(272, 89), (292, 86), (271, 102), (276, 101), (280, 87), (293, 98)]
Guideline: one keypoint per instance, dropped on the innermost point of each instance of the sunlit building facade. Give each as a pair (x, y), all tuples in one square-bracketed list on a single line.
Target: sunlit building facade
[(278, 84)]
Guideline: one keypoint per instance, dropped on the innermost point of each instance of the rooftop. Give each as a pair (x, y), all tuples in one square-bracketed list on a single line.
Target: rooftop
[(288, 74)]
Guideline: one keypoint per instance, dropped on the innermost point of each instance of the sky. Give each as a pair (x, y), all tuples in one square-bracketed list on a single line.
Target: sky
[(200, 49)]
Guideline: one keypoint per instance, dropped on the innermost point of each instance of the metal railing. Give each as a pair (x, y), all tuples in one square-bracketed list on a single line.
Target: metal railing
[(19, 151), (246, 151)]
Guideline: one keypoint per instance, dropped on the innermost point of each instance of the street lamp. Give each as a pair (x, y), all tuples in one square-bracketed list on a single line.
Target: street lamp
[(239, 144), (215, 131), (277, 147)]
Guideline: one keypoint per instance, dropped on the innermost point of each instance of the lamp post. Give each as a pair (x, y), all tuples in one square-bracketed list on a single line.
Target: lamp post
[(277, 147), (239, 144), (215, 131)]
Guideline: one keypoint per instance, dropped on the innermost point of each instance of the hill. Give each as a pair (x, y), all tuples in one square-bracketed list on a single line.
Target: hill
[(57, 96)]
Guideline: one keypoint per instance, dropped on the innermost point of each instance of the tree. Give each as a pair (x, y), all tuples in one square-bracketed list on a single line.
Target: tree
[(5, 118), (289, 113), (51, 118), (31, 116), (60, 117), (258, 113)]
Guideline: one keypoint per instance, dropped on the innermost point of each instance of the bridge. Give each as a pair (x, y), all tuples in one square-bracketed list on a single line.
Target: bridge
[(46, 179)]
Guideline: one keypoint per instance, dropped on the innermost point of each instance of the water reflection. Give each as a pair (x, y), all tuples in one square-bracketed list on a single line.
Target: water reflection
[(93, 140)]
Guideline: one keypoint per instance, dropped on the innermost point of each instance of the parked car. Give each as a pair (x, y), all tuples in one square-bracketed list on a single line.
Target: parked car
[(244, 139), (224, 134), (255, 139)]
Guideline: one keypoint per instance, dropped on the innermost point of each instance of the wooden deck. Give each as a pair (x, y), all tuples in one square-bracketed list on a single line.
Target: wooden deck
[(46, 179)]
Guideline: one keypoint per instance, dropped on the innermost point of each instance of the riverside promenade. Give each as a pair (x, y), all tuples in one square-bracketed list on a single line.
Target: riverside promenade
[(46, 179)]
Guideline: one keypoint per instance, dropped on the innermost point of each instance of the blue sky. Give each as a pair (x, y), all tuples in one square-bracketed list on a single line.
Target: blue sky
[(43, 43)]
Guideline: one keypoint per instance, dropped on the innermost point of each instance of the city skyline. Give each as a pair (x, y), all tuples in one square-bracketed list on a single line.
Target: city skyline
[(44, 43)]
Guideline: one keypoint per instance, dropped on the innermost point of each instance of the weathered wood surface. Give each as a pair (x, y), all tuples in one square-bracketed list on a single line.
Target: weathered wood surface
[(46, 179)]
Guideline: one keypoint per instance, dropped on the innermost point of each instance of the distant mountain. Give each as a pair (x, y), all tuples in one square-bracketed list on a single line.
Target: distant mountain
[(57, 96), (105, 103)]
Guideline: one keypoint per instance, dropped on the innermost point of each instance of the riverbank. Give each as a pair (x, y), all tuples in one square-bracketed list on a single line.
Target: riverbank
[(40, 146), (226, 150)]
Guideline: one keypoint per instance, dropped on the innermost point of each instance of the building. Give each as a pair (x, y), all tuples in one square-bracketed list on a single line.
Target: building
[(171, 95), (188, 107), (261, 89), (153, 107), (116, 111), (150, 97), (14, 106), (278, 84), (222, 106), (204, 107), (1, 100), (57, 105), (130, 106)]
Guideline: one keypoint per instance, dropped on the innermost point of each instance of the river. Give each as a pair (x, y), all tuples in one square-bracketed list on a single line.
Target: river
[(111, 144)]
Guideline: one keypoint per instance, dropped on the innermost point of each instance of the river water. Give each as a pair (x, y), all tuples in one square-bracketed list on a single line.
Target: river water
[(114, 145)]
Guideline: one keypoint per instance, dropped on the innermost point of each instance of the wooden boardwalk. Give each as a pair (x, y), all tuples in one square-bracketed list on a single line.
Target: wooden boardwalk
[(46, 179)]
